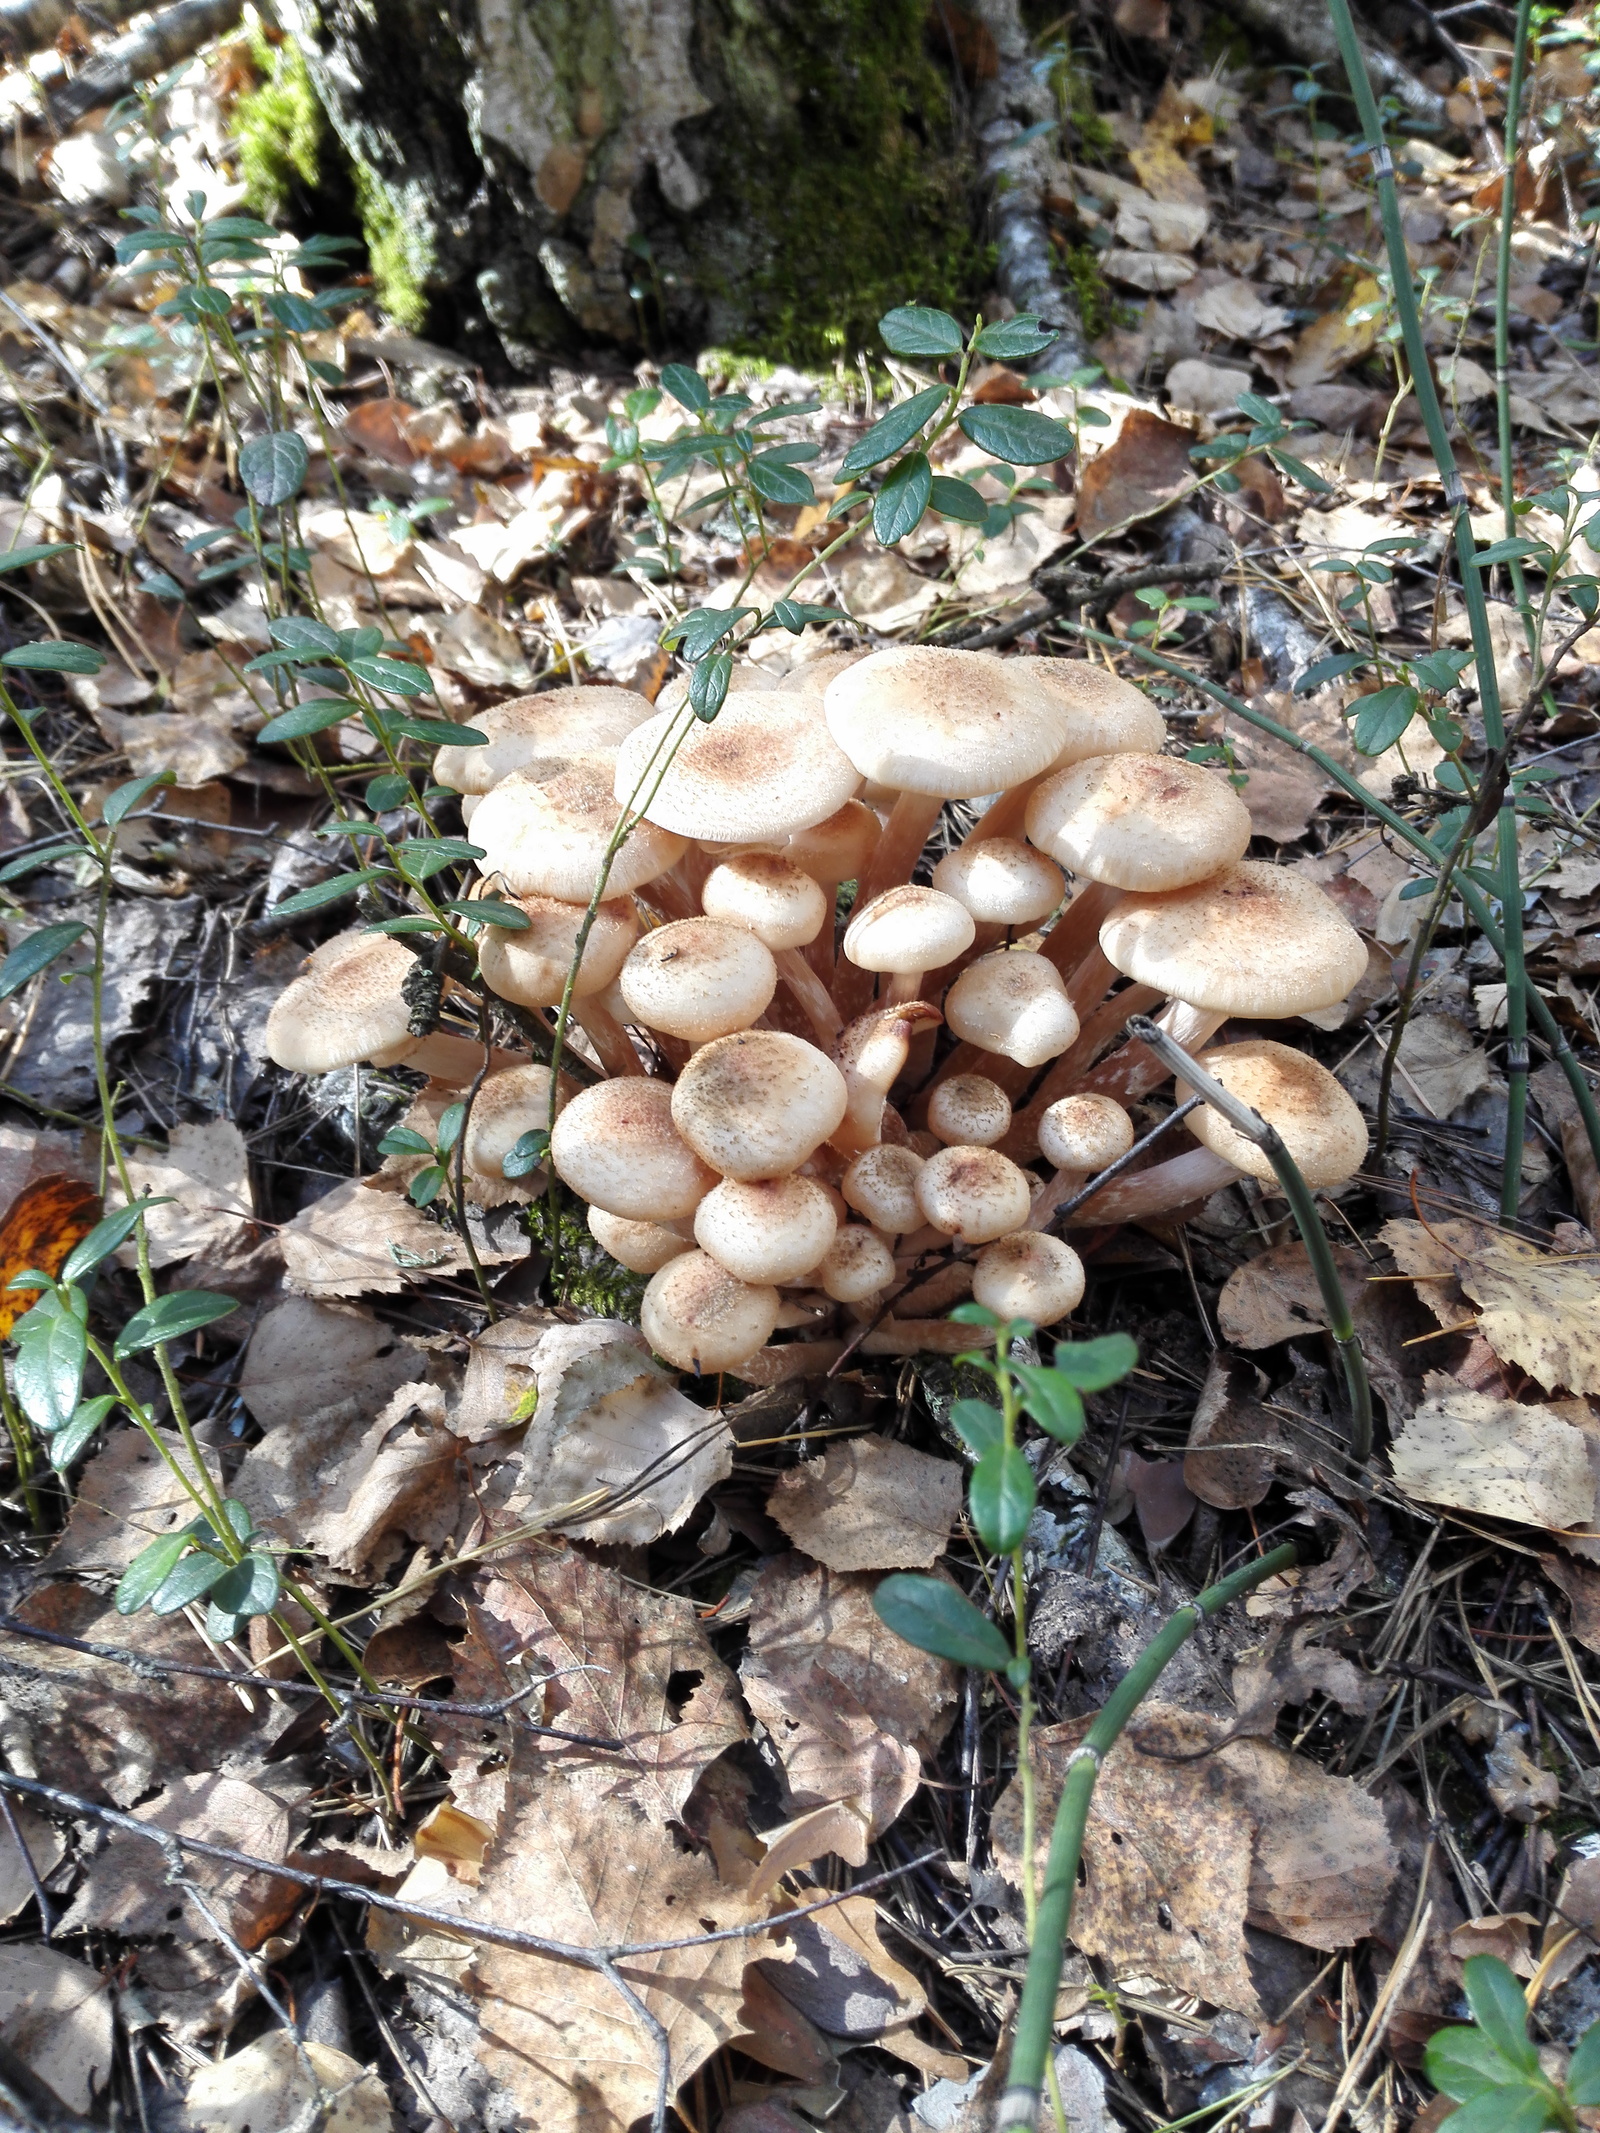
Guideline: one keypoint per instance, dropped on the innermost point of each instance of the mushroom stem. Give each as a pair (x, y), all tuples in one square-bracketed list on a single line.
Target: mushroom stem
[(1051, 1194), (899, 848), (613, 1046), (812, 994), (1091, 980), (1181, 1179), (871, 1056), (1022, 1142), (1008, 814), (903, 985), (1132, 1071), (1077, 930), (973, 1059), (820, 953)]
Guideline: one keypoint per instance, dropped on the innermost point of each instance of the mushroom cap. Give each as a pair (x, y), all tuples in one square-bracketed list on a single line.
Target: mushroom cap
[(1145, 822), (881, 1183), (773, 1229), (698, 978), (345, 1004), (974, 1193), (700, 1318), (531, 966), (857, 1264), (746, 679), (642, 1247), (1254, 940), (949, 724), (840, 848), (1318, 1119), (768, 895), (1001, 881), (969, 1109), (757, 1104), (1106, 714), (815, 674), (510, 1103), (1028, 1275), (1085, 1133), (548, 836), (765, 766), (909, 929), (535, 729), (1012, 1002), (617, 1147)]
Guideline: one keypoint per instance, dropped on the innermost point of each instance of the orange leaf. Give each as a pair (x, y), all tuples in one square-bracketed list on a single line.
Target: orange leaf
[(42, 1224)]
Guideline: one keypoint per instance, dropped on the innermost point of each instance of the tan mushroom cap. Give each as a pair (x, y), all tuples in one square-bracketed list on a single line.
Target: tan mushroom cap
[(700, 1318), (908, 929), (971, 1110), (345, 1004), (840, 848), (1255, 940), (548, 837), (857, 1264), (698, 978), (1107, 714), (764, 767), (815, 674), (773, 1229), (950, 724), (511, 1103), (617, 1147), (768, 895), (1013, 1002), (530, 966), (881, 1183), (747, 678), (756, 1105), (1322, 1127), (1144, 822), (536, 729), (642, 1247), (1085, 1132), (1028, 1275), (974, 1194), (1001, 881)]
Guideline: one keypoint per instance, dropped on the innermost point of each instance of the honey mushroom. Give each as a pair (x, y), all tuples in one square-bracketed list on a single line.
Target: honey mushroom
[(531, 965), (348, 1004), (779, 902), (554, 728), (1080, 1135)]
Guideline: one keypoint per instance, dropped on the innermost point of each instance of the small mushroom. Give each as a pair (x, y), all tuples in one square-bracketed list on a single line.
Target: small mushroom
[(642, 1247), (617, 1147), (973, 1194), (1028, 1275), (549, 837), (767, 766), (1012, 1002), (881, 1184), (832, 852), (767, 1230), (698, 979), (554, 727), (700, 1318), (346, 1004), (510, 1103), (872, 1054), (969, 1110), (907, 931), (1080, 1135), (531, 965), (858, 1265), (1105, 716), (1002, 882), (757, 1104), (779, 902)]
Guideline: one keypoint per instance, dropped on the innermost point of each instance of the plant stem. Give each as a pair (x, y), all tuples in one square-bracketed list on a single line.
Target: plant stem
[(1036, 2018)]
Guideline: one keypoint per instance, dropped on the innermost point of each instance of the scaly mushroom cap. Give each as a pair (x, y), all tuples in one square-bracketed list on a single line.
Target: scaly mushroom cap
[(814, 675), (511, 1103), (857, 1264), (908, 929), (345, 1005), (881, 1183), (950, 724), (1319, 1121), (1106, 714), (756, 1105), (768, 895), (530, 966), (617, 1147), (698, 978), (1001, 881), (974, 1194), (969, 1109), (549, 837), (1012, 1002), (642, 1247), (839, 849), (1145, 822), (1085, 1133), (766, 766), (746, 679), (1028, 1275), (536, 729), (773, 1230), (1254, 940), (700, 1318)]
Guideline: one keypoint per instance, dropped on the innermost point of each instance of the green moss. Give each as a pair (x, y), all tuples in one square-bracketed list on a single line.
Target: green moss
[(281, 128), (587, 1278), (1097, 307), (397, 250)]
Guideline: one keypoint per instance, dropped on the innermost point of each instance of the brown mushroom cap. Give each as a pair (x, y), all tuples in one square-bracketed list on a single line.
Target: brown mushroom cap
[(1106, 714), (951, 724), (698, 978), (756, 1105), (1085, 1133), (1254, 940), (1012, 1002), (975, 1194), (908, 929), (1145, 822), (1028, 1275), (773, 1229), (768, 895), (530, 966), (857, 1264), (642, 1247), (840, 848), (764, 767), (1318, 1119), (535, 729), (345, 1005), (1001, 881), (700, 1318), (548, 837), (617, 1147), (969, 1110), (881, 1183)]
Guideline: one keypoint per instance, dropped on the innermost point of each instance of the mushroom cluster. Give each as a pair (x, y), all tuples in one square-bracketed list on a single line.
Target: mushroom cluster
[(779, 1131)]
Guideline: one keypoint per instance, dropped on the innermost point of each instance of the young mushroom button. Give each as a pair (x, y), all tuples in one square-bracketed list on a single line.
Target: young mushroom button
[(698, 979), (906, 932), (549, 837), (1028, 1275), (881, 1183), (345, 1005), (770, 1230), (969, 1109), (642, 1247), (973, 1194), (1012, 1002), (700, 1318), (1001, 881)]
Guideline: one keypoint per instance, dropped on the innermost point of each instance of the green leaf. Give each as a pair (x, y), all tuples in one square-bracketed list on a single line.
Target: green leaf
[(1321, 670), (1464, 2062), (401, 1140), (1002, 1496), (697, 632), (793, 615), (778, 482), (40, 552), (313, 717), (1440, 671), (439, 732), (118, 805), (1583, 2070), (974, 1314), (898, 506), (1381, 718), (708, 685), (1512, 551), (1052, 1400), (324, 892), (489, 911), (52, 656), (105, 1237), (958, 500), (1522, 2109), (1297, 470), (47, 1368), (1017, 434), (1093, 1365), (687, 387), (250, 1588), (387, 791), (426, 1186), (151, 1568), (392, 677), (170, 1317), (70, 1443), (935, 1617), (1499, 2009), (303, 633), (1023, 335), (894, 432), (979, 1426), (913, 330), (37, 953), (189, 1580), (46, 856), (451, 1120), (273, 467)]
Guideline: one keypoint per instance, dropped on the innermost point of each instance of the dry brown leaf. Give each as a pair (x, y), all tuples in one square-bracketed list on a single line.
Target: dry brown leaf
[(1146, 469), (1205, 388), (305, 1358), (1336, 340), (1154, 272), (1507, 1937), (1316, 1588), (869, 1504), (356, 1241), (1234, 1441), (127, 1498), (850, 1707), (267, 2084), (1440, 1065), (1235, 309), (1291, 1669), (27, 1156), (46, 1847), (1276, 1298), (56, 2016), (1539, 1310), (1518, 1786), (1175, 124), (205, 1175), (196, 745), (1582, 1588), (1496, 1457)]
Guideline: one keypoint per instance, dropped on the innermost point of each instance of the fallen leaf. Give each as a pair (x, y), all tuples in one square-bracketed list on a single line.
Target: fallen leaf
[(56, 2016), (1496, 1457), (1291, 1670), (1144, 18), (1205, 388), (869, 1504), (1234, 1441), (267, 2084), (379, 427), (46, 1847), (1146, 469), (356, 1240), (1161, 1497), (128, 1497), (1154, 272), (1276, 1297), (205, 1175), (1234, 309), (1316, 1588), (305, 1358), (1333, 342), (41, 1226), (1538, 1310), (1582, 1588), (1506, 1937), (1439, 1065), (196, 745), (1517, 1785), (1174, 124)]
